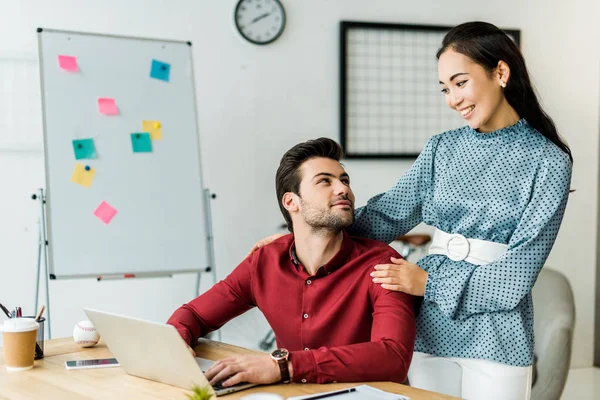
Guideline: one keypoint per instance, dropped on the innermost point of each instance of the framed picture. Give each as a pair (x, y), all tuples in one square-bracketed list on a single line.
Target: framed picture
[(390, 99)]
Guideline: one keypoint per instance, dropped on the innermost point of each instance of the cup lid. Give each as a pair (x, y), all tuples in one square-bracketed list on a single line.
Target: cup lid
[(19, 325)]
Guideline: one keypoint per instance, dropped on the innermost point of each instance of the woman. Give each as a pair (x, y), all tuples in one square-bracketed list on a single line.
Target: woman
[(495, 190)]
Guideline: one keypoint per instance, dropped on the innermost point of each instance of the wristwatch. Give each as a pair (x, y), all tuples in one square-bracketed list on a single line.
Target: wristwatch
[(280, 356)]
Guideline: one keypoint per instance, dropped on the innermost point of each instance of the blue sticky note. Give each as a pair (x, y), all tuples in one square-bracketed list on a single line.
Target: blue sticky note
[(84, 148), (141, 142), (160, 70)]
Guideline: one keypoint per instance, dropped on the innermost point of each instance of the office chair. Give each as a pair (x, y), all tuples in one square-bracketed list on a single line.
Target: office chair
[(554, 320), (406, 245)]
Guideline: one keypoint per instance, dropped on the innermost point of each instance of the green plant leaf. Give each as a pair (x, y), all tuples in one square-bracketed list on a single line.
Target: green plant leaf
[(200, 393)]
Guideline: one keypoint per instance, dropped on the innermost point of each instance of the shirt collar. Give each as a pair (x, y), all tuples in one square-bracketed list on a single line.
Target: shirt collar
[(338, 260)]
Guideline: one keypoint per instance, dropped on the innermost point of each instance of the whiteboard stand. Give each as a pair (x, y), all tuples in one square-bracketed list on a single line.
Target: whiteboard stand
[(209, 237), (211, 248), (42, 248)]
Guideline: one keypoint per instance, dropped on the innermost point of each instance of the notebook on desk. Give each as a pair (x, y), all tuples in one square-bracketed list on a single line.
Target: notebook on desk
[(154, 351)]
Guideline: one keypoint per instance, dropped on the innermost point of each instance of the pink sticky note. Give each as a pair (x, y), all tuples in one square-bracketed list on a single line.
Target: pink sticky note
[(105, 212), (107, 106), (68, 63)]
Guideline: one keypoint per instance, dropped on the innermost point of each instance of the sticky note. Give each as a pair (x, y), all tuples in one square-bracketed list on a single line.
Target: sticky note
[(68, 63), (160, 70), (82, 176), (141, 142), (154, 128), (84, 148), (105, 212), (107, 106)]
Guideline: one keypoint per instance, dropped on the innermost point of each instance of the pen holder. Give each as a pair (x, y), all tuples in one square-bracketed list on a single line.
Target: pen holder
[(39, 346)]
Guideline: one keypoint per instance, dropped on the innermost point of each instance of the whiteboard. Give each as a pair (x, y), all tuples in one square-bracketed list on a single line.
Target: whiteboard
[(160, 225)]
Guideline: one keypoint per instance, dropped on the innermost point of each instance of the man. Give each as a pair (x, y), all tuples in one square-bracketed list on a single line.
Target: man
[(314, 288)]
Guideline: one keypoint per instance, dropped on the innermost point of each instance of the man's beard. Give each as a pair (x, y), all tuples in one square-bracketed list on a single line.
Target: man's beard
[(325, 219)]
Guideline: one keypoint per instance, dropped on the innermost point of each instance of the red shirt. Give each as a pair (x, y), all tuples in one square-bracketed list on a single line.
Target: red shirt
[(338, 325)]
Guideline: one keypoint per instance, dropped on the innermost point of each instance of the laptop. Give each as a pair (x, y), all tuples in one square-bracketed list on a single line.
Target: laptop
[(154, 351)]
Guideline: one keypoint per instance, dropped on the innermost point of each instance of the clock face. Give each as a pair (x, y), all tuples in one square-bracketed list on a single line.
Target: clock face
[(280, 354), (260, 21)]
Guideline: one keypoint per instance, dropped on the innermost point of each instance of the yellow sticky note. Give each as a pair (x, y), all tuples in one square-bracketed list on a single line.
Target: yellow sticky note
[(154, 128), (83, 175)]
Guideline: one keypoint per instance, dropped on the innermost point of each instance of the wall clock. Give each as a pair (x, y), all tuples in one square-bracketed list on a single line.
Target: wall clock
[(259, 21)]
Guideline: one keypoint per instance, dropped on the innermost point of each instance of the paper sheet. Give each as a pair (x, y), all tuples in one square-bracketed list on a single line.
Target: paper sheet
[(363, 392), (107, 106), (141, 142), (82, 176), (105, 212), (68, 63), (154, 128), (160, 70), (84, 148)]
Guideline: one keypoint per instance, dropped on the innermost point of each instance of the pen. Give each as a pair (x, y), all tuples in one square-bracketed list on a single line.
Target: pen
[(5, 310), (39, 314), (327, 395)]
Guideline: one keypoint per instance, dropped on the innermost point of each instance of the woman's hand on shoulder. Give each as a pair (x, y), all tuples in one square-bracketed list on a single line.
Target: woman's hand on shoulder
[(401, 276), (264, 242)]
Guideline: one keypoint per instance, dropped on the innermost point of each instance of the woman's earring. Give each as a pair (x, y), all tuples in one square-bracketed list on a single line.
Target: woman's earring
[(502, 83)]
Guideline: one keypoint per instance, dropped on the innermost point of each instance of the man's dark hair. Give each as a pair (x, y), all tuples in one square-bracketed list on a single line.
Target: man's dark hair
[(288, 176)]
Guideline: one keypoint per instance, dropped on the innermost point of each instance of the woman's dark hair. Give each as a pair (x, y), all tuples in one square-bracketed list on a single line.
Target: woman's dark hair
[(486, 45), (288, 176)]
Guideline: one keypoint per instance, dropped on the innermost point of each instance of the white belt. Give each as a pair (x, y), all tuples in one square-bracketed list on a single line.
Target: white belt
[(458, 248)]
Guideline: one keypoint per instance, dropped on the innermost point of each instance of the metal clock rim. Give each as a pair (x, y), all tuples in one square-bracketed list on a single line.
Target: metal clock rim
[(284, 21)]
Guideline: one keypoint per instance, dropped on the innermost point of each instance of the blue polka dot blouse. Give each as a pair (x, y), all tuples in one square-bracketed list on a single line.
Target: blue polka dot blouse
[(508, 186)]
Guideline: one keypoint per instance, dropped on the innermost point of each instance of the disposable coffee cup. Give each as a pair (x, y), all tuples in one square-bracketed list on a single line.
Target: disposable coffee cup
[(19, 337)]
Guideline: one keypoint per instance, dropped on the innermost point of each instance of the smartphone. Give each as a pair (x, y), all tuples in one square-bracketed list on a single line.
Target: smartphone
[(96, 363)]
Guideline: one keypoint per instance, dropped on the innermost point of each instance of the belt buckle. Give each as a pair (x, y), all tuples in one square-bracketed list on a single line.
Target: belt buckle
[(460, 247)]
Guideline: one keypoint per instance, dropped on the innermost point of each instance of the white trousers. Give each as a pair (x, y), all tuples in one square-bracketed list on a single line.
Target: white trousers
[(469, 378)]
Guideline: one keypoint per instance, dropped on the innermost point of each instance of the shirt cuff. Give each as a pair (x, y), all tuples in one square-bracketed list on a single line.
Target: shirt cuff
[(305, 366), (430, 287), (185, 335)]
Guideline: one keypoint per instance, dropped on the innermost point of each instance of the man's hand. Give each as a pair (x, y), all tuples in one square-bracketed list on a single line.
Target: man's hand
[(401, 276), (247, 368), (264, 242)]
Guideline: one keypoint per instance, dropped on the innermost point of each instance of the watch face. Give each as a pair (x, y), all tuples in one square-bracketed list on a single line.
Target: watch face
[(280, 354), (259, 21)]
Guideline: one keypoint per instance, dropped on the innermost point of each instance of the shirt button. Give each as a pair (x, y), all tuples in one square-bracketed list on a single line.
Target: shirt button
[(308, 282), (306, 349), (305, 316), (303, 380)]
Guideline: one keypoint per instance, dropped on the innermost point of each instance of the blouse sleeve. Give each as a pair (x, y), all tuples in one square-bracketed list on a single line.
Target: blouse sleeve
[(395, 212), (462, 289)]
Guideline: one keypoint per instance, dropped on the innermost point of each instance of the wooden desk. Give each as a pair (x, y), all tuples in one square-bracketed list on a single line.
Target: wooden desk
[(50, 380)]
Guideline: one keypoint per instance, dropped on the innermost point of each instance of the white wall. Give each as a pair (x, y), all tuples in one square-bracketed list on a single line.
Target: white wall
[(256, 102)]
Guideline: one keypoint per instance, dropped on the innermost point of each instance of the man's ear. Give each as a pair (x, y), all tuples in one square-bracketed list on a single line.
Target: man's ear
[(291, 202)]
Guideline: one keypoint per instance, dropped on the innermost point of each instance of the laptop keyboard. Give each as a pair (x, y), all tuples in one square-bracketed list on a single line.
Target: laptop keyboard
[(218, 385), (205, 364)]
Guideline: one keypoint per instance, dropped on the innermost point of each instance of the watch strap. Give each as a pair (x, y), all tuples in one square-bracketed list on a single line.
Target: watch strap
[(285, 371)]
